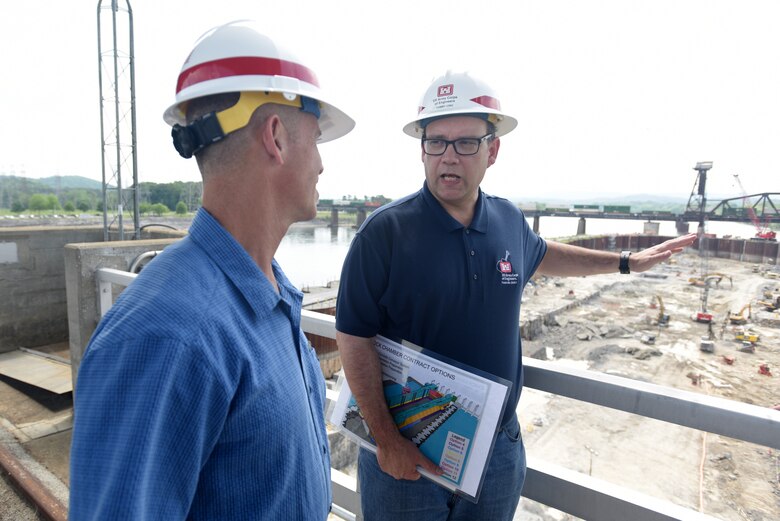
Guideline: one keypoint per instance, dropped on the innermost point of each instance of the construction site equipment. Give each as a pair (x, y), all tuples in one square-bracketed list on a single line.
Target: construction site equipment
[(770, 305), (740, 318), (697, 203), (762, 229), (764, 370), (662, 319), (707, 345), (694, 377), (728, 359), (709, 279), (747, 347), (703, 315), (746, 335)]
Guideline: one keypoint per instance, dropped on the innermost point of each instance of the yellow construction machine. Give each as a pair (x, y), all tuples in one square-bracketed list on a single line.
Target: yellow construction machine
[(662, 319), (740, 318), (770, 305), (746, 335), (710, 279)]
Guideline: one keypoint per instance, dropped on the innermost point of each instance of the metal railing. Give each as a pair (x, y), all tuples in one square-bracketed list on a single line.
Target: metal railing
[(563, 489)]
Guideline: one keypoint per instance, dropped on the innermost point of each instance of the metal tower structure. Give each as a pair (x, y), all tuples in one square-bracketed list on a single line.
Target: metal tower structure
[(116, 64), (697, 202)]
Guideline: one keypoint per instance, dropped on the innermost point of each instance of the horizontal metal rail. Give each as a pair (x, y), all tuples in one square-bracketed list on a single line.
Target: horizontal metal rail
[(106, 278), (587, 497), (760, 425), (590, 498), (564, 489)]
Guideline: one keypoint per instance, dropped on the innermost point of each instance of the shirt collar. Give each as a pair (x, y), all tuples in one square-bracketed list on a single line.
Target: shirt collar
[(479, 222), (237, 265)]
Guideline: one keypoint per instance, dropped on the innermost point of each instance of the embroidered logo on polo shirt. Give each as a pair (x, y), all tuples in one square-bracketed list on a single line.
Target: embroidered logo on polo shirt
[(504, 267)]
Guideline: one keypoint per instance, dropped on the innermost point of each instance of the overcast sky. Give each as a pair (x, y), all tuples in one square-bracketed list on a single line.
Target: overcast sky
[(612, 96)]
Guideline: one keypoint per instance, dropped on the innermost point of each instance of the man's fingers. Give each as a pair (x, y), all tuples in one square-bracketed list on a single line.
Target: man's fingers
[(431, 467), (411, 476)]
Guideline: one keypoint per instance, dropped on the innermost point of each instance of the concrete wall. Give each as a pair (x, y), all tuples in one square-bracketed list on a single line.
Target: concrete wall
[(33, 303), (759, 252), (81, 262), (33, 308)]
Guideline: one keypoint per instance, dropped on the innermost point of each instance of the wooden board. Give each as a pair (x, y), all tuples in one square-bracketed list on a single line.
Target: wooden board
[(37, 370)]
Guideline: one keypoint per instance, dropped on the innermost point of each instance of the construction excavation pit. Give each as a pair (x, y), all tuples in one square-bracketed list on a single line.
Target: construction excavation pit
[(715, 332)]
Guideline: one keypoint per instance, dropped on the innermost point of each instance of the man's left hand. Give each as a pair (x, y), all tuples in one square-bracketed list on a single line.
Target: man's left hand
[(646, 259)]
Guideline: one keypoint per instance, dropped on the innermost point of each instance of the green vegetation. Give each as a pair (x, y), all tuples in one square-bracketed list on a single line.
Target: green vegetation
[(72, 193), (159, 209)]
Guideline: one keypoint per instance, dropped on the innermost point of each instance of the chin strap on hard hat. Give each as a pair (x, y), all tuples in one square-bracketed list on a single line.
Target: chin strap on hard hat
[(215, 126)]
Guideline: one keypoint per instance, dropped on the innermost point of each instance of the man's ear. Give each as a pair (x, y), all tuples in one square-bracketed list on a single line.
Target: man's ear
[(273, 138), (493, 151)]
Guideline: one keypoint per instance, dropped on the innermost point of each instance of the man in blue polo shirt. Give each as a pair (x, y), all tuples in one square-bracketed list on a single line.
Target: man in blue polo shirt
[(445, 268), (199, 396)]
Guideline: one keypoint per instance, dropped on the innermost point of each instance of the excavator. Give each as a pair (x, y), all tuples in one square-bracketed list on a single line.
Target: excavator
[(770, 305), (662, 319), (740, 318), (709, 279)]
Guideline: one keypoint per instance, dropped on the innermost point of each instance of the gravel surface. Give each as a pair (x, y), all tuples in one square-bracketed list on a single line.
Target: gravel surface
[(12, 506)]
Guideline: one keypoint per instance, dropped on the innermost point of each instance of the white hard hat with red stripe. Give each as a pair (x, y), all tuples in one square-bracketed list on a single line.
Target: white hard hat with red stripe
[(235, 57), (459, 94)]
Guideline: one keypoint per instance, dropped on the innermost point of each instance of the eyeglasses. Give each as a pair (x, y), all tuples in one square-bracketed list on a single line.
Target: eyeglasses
[(465, 146)]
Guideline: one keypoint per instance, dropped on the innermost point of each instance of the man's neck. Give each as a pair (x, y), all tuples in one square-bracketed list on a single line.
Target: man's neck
[(254, 224)]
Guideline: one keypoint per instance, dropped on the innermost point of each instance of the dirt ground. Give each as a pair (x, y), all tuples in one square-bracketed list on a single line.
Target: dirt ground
[(722, 477)]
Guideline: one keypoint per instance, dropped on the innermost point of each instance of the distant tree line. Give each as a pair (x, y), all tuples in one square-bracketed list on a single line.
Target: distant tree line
[(21, 194)]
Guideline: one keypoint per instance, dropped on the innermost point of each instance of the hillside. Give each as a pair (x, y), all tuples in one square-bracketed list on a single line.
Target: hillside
[(71, 181), (86, 194)]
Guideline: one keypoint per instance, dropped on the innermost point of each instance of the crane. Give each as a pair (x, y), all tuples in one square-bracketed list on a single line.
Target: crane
[(762, 231)]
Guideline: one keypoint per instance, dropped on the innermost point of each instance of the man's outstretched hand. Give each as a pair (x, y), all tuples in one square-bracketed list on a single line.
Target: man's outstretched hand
[(646, 259)]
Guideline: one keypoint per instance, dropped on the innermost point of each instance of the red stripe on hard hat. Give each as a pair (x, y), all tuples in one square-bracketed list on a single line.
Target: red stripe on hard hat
[(488, 101), (244, 66)]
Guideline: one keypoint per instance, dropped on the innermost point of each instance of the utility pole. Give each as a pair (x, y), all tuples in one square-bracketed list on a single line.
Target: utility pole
[(116, 70)]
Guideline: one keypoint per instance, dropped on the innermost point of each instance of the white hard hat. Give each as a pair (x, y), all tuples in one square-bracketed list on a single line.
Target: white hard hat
[(235, 57), (459, 94)]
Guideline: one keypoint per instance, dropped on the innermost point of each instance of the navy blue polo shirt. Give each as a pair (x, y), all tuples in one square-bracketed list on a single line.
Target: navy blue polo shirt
[(415, 273)]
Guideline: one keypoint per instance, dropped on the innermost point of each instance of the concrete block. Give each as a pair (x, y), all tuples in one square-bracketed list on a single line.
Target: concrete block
[(81, 262)]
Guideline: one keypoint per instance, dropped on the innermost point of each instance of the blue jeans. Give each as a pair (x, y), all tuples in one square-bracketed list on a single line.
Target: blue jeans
[(384, 498)]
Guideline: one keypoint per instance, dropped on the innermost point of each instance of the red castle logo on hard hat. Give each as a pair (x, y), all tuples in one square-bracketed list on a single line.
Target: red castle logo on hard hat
[(446, 90)]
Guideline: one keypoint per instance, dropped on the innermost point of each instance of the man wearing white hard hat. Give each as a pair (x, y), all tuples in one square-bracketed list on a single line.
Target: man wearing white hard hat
[(445, 268), (199, 396)]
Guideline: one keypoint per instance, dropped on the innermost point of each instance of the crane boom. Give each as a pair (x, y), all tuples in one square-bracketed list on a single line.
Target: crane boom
[(762, 232)]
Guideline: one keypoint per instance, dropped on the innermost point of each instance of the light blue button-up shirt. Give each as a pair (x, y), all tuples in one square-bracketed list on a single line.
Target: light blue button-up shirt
[(199, 396)]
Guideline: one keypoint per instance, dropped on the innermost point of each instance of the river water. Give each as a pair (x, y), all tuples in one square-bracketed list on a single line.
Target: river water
[(312, 255)]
